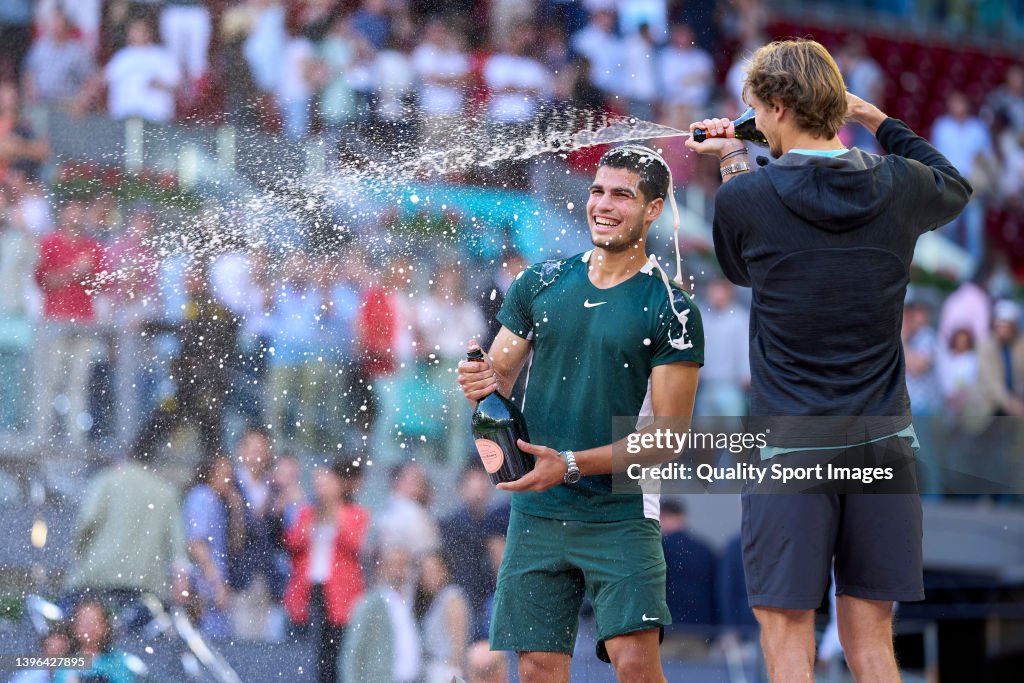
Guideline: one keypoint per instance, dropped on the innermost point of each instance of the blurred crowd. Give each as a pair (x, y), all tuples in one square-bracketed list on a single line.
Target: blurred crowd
[(396, 594), (297, 372)]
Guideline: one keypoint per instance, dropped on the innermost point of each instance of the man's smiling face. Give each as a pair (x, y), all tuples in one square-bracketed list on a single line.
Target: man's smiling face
[(617, 209)]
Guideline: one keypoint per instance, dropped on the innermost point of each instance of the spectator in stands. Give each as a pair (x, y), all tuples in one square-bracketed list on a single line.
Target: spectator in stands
[(864, 78), (186, 28), (393, 121), (383, 644), (920, 349), (468, 533), (340, 280), (140, 78), (18, 254), (214, 513), (965, 141), (384, 339), (406, 523), (1000, 387), (20, 149), (244, 104), (443, 69), (287, 495), (295, 86), (58, 65), (686, 75), (1008, 147), (69, 263), (56, 642), (958, 370), (128, 535), (518, 83), (238, 280), (690, 578), (129, 297), (442, 319), (640, 63), (484, 665), (255, 613), (1009, 98), (920, 353), (93, 636), (554, 51), (15, 36), (264, 44), (968, 307), (598, 42), (299, 379), (492, 294), (336, 54), (31, 200), (726, 376), (207, 338), (442, 610), (325, 542), (373, 21)]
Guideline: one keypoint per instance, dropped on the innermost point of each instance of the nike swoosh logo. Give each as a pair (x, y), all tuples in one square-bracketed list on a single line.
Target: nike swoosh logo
[(587, 304), (647, 618)]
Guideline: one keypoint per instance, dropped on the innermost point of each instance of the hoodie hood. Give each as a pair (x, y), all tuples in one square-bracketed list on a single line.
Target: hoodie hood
[(834, 193)]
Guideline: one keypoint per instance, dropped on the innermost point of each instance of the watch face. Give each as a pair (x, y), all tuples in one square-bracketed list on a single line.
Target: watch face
[(572, 477)]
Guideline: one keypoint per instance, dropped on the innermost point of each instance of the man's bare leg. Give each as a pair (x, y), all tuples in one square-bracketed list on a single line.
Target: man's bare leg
[(544, 667), (636, 656), (865, 630), (787, 639)]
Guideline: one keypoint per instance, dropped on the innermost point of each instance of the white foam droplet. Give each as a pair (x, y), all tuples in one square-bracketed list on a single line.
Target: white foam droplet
[(415, 199), (570, 206), (647, 342)]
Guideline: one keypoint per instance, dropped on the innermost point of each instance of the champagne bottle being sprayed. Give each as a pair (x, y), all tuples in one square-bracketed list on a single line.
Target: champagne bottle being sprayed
[(497, 424), (744, 129)]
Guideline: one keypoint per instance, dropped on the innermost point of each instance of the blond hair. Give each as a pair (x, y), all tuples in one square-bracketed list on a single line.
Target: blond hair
[(804, 78)]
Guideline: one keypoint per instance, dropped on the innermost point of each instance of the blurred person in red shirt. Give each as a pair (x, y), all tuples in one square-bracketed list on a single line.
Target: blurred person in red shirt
[(325, 542), (68, 273)]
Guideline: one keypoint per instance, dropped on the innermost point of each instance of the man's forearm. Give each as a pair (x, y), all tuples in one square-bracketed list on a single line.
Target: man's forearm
[(615, 457)]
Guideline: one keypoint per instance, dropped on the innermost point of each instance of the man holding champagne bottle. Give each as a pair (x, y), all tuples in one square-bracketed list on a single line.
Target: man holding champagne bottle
[(609, 336), (825, 236)]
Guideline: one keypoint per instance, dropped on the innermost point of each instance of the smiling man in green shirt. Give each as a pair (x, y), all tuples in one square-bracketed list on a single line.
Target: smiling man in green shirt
[(606, 334)]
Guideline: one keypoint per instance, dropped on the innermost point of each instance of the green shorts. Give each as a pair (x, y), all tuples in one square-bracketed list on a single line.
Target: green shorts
[(550, 564)]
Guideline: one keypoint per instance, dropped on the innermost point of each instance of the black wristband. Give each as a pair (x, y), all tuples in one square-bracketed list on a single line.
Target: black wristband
[(730, 155)]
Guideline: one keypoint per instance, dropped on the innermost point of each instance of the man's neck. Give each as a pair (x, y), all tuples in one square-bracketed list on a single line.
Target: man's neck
[(798, 139), (609, 268)]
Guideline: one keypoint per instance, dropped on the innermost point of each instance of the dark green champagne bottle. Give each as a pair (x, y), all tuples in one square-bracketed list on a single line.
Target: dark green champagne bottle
[(743, 127), (497, 424)]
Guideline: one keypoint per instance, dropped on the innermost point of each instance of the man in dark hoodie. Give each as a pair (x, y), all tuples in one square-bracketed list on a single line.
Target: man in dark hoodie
[(824, 236)]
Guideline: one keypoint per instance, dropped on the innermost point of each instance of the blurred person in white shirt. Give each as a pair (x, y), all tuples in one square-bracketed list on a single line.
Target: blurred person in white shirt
[(442, 67), (640, 67), (598, 42), (687, 73), (141, 78), (186, 28)]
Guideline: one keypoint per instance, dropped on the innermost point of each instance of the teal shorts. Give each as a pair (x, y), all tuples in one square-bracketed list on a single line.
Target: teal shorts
[(550, 564)]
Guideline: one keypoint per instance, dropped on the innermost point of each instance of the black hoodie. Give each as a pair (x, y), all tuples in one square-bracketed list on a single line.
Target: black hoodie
[(826, 244)]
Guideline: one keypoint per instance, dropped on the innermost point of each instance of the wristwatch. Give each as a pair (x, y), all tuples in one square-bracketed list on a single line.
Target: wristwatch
[(572, 470), (738, 167)]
